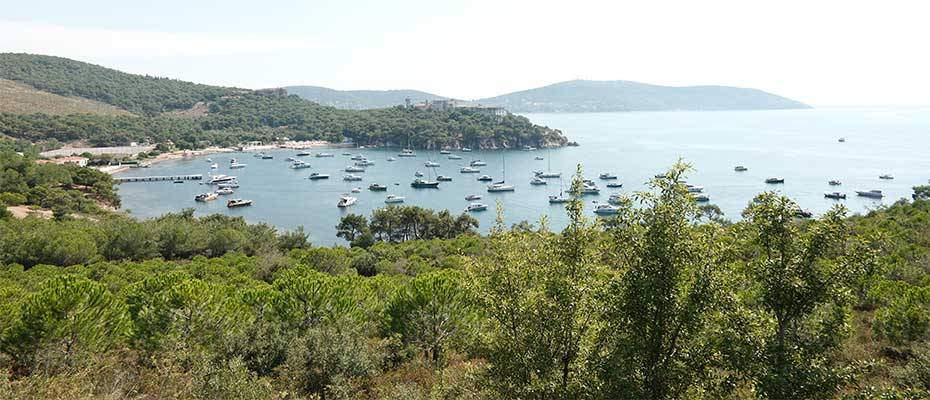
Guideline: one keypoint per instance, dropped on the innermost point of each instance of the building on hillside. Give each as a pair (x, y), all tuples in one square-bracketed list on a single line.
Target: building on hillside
[(76, 160), (125, 151), (454, 104)]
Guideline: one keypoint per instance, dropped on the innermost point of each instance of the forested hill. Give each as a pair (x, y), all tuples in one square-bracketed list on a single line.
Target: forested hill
[(193, 115), (359, 99), (602, 96)]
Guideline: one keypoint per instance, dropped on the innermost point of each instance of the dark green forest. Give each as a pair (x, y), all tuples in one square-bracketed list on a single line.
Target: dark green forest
[(233, 115), (658, 302)]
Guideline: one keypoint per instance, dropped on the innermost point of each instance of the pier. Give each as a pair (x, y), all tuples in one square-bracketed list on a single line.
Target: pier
[(196, 177)]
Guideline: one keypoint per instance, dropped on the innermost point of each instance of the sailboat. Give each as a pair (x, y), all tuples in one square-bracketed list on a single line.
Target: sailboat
[(420, 183), (549, 173), (501, 186), (561, 197)]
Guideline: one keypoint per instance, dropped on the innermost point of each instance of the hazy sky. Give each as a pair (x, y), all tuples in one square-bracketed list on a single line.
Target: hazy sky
[(821, 52)]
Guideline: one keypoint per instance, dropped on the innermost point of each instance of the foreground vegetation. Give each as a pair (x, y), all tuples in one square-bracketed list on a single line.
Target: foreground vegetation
[(656, 303), (163, 112)]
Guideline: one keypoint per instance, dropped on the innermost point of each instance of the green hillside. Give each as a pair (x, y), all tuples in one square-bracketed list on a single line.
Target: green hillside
[(19, 98), (235, 115), (359, 99), (602, 96)]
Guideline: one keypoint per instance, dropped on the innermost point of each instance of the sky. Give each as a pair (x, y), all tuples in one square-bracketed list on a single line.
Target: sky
[(822, 52)]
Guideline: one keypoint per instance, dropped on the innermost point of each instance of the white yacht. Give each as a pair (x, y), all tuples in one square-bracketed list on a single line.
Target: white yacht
[(238, 203), (300, 165), (473, 197), (351, 177), (217, 179), (500, 187), (537, 181), (391, 199), (391, 159), (353, 168), (874, 193), (607, 176), (476, 207), (694, 189), (835, 195), (345, 200), (560, 198), (204, 197), (407, 153), (316, 175), (431, 164), (606, 209), (615, 199), (469, 170), (224, 191), (700, 198), (454, 157), (477, 163), (418, 174), (364, 163), (214, 166), (237, 165)]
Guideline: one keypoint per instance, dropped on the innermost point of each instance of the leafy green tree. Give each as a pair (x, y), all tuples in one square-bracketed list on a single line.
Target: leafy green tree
[(68, 316), (661, 303), (799, 276)]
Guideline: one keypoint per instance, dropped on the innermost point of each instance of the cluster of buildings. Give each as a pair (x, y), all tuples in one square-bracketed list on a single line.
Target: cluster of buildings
[(453, 104)]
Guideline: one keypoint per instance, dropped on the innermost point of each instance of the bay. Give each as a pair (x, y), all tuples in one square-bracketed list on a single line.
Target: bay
[(799, 145)]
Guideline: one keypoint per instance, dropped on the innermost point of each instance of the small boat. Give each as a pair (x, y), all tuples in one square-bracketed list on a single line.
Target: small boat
[(290, 159), (258, 155), (477, 163), (466, 149), (835, 183), (607, 176), (500, 187), (614, 185), (835, 195), (803, 214), (318, 155), (775, 180), (179, 181), (615, 199), (700, 198), (209, 160), (353, 168), (528, 148), (443, 178), (485, 178), (538, 158), (589, 187), (418, 174), (238, 203), (377, 187), (267, 156), (347, 154), (390, 199), (229, 185), (316, 175), (204, 197), (476, 207), (455, 157), (606, 209), (885, 176), (469, 170), (473, 197), (224, 191), (300, 165), (407, 153), (537, 181), (364, 163), (424, 184), (842, 140), (236, 165), (217, 179), (874, 193), (214, 166), (345, 200), (445, 152), (356, 190), (694, 189), (740, 168), (558, 199), (391, 159), (357, 157), (548, 174), (304, 153), (431, 164), (351, 177)]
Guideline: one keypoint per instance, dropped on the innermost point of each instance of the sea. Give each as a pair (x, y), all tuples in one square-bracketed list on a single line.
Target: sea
[(801, 146)]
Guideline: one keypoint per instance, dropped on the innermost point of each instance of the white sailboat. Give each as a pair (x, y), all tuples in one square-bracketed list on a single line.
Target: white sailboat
[(501, 186)]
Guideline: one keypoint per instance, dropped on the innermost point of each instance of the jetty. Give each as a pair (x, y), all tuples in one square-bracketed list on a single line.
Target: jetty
[(125, 179)]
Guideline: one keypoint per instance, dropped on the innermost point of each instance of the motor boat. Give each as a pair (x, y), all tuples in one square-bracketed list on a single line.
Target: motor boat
[(885, 176), (204, 197), (224, 191), (538, 158), (443, 178), (469, 170), (214, 166), (842, 140), (485, 178), (347, 154), (353, 168), (316, 175), (364, 163), (835, 195), (473, 197), (537, 181), (391, 159), (377, 187), (558, 199), (290, 159), (318, 155), (700, 198), (454, 157), (740, 168), (357, 157), (356, 190), (477, 163), (803, 213), (874, 193), (237, 165), (431, 164), (614, 185), (607, 176), (694, 189), (424, 184), (300, 165), (229, 185), (345, 200), (418, 174), (476, 207), (500, 187), (407, 153), (351, 177), (391, 199), (238, 203), (589, 187), (267, 156), (775, 180), (615, 199), (606, 209), (466, 149), (835, 183), (217, 179), (445, 151), (545, 175)]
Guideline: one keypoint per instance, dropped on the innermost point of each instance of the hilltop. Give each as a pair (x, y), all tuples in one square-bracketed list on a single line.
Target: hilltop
[(152, 109), (359, 99), (601, 96)]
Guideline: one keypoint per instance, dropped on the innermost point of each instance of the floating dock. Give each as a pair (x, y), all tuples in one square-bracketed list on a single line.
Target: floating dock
[(196, 177)]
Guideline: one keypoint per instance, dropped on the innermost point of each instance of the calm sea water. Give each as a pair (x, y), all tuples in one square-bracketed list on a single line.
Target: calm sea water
[(800, 145)]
